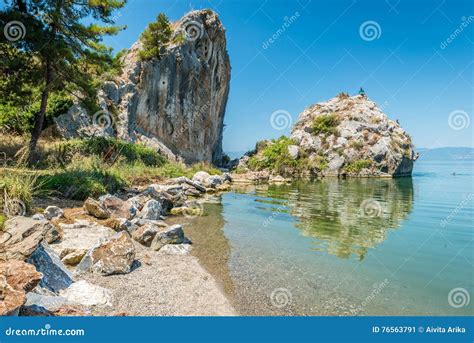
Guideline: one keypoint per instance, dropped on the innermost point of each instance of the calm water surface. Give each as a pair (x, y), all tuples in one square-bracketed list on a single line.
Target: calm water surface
[(345, 247)]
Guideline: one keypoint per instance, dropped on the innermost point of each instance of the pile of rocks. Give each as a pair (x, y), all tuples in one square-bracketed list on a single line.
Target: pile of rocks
[(43, 258)]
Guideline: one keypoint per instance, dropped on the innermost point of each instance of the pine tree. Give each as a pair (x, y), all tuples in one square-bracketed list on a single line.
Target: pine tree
[(67, 53), (155, 37)]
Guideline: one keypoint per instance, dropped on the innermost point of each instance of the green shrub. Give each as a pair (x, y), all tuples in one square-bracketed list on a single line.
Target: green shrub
[(273, 155), (20, 185), (3, 219), (108, 149), (326, 124), (357, 166), (83, 178), (356, 144)]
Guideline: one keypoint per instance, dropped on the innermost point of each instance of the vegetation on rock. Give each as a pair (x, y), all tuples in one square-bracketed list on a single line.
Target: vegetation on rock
[(326, 124), (155, 37)]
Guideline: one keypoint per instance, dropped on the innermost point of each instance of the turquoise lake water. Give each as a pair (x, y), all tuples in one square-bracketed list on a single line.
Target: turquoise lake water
[(346, 247)]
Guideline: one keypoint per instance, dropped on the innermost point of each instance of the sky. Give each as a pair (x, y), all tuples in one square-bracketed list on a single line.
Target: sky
[(397, 50)]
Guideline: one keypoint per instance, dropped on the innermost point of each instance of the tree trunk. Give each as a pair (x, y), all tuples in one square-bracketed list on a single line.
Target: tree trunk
[(39, 117)]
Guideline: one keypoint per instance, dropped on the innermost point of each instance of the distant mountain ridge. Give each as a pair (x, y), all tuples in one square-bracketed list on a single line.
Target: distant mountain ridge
[(446, 153)]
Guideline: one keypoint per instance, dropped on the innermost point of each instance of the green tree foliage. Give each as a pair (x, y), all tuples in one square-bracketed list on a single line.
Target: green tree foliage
[(57, 44), (155, 37)]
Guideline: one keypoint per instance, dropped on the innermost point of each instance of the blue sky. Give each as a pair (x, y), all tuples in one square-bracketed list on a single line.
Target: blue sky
[(408, 68)]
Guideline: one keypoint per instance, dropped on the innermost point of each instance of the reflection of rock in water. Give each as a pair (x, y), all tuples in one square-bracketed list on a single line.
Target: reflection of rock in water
[(347, 216), (210, 245)]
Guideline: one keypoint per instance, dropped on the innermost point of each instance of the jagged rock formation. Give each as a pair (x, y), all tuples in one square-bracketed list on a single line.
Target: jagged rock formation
[(361, 140), (175, 104), (345, 136)]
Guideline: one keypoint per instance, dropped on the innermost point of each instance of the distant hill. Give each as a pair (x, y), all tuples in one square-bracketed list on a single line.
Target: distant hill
[(446, 154)]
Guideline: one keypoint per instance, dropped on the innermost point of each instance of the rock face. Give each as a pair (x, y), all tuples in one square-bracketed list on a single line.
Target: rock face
[(16, 279), (358, 140), (175, 104), (22, 235), (112, 256)]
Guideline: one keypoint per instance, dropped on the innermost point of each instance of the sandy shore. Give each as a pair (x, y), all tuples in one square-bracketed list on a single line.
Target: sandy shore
[(164, 285)]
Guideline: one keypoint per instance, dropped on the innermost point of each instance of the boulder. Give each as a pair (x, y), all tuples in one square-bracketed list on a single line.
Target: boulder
[(171, 235), (53, 212), (293, 151), (78, 238), (87, 294), (176, 249), (151, 210), (114, 255), (21, 236), (196, 185), (16, 279), (96, 209), (201, 177), (120, 224), (145, 234), (11, 299), (38, 216), (55, 274), (117, 207)]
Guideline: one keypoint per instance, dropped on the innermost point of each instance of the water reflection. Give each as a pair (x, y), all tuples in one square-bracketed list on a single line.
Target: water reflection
[(346, 217)]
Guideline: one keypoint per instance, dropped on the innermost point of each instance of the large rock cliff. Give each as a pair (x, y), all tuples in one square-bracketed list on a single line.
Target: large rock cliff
[(175, 103)]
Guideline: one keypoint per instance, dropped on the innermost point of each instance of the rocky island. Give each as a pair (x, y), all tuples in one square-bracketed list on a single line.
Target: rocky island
[(346, 136)]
